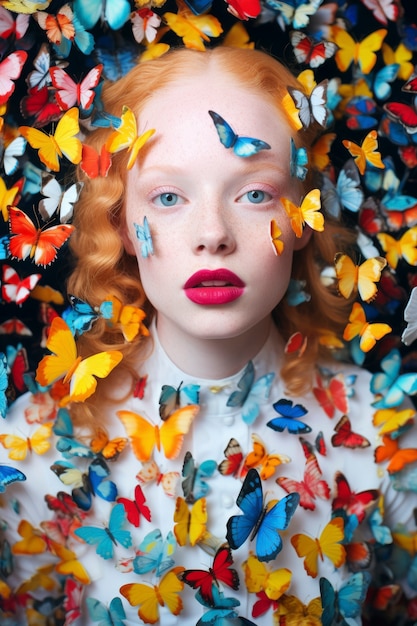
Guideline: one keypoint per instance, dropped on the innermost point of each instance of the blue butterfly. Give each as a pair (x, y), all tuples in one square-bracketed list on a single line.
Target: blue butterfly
[(288, 419), (81, 316), (360, 111), (405, 480), (251, 393), (111, 616), (93, 483), (262, 522), (295, 294), (117, 61), (173, 398), (4, 247), (9, 475), (295, 13), (108, 537), (387, 180), (114, 12), (33, 178), (298, 161), (67, 444), (390, 385), (194, 486), (383, 78), (242, 146), (381, 534), (199, 6), (339, 606), (155, 553), (4, 383), (101, 118), (221, 615), (143, 233), (347, 193)]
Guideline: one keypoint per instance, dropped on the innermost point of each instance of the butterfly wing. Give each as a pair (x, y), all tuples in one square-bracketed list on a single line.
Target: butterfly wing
[(250, 501), (142, 434), (10, 69), (175, 427), (61, 343)]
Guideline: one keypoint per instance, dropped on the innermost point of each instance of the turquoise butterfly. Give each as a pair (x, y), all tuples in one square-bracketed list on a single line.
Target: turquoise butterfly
[(107, 537), (242, 146), (143, 233)]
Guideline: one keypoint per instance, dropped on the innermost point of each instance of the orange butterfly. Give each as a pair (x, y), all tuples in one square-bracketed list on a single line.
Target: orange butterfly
[(149, 597), (190, 523), (362, 277), (405, 247), (358, 326), (144, 436), (360, 53), (126, 137), (40, 244), (275, 233), (9, 196), (259, 578), (260, 457), (62, 143), (129, 317), (32, 542), (95, 163), (65, 363), (398, 457), (69, 564), (328, 544), (295, 613), (367, 152), (307, 213), (320, 151), (58, 26), (19, 446), (108, 448)]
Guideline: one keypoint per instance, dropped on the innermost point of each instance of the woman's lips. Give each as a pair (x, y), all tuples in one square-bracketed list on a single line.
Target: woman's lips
[(214, 287)]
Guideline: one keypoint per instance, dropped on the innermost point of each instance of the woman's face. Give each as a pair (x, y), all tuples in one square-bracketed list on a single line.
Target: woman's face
[(214, 273)]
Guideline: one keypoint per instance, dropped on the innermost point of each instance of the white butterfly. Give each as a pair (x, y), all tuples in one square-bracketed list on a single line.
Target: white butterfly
[(57, 199), (313, 107), (14, 149), (410, 316)]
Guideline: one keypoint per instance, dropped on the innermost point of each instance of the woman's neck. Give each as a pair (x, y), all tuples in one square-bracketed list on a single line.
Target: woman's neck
[(212, 358)]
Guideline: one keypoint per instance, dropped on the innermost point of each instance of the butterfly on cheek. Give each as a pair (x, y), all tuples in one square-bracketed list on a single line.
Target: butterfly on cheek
[(144, 235), (242, 146)]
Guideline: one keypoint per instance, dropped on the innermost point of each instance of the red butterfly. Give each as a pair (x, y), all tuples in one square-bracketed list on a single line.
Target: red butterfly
[(93, 163), (350, 501), (313, 53), (297, 342), (63, 505), (263, 604), (346, 437), (10, 69), (233, 462), (139, 390), (320, 445), (14, 288), (10, 26), (137, 507), (403, 113), (408, 155), (14, 326), (39, 244), (220, 571), (244, 9), (37, 104), (69, 93), (331, 395), (18, 367), (311, 487), (358, 555)]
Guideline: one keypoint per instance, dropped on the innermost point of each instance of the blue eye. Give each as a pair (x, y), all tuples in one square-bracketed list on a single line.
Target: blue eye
[(167, 199), (256, 196)]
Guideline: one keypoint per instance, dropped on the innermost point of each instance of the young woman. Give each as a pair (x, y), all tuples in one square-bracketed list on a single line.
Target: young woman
[(216, 476)]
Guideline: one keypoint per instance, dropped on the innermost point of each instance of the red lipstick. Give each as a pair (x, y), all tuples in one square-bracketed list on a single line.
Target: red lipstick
[(214, 287)]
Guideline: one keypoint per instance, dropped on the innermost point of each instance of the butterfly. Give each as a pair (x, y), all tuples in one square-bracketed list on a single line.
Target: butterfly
[(328, 544), (144, 436), (81, 316), (150, 472), (362, 278), (409, 334), (275, 233), (398, 457), (311, 108), (13, 27), (39, 77), (295, 612), (10, 70), (69, 565), (346, 437), (143, 233), (194, 485), (10, 152), (346, 193), (135, 508), (259, 520), (106, 538), (366, 152), (311, 487), (150, 597), (383, 10), (405, 247), (383, 79), (125, 137), (393, 422), (403, 113), (113, 12), (129, 318), (69, 93), (113, 615), (107, 448), (172, 398), (38, 442), (244, 9), (309, 51), (339, 606), (67, 443), (298, 161), (259, 457), (40, 244), (307, 213), (57, 199), (145, 25), (190, 523), (242, 146), (350, 501), (251, 393), (39, 105), (9, 475), (85, 486), (232, 464), (14, 288), (259, 578), (95, 163), (58, 26), (367, 332), (154, 553), (320, 149), (32, 542), (361, 53), (220, 571), (361, 111), (64, 363), (193, 29), (296, 344), (293, 12), (332, 392), (63, 142), (289, 415)]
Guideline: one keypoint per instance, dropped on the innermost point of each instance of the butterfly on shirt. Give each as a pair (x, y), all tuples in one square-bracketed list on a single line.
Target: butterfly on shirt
[(346, 437), (242, 146), (190, 523), (173, 398), (259, 578), (251, 393), (194, 485), (106, 538), (154, 553), (260, 521), (289, 415), (389, 385), (346, 602), (328, 544), (68, 444), (113, 615), (136, 508), (333, 391), (399, 458), (352, 501), (38, 442), (150, 473)]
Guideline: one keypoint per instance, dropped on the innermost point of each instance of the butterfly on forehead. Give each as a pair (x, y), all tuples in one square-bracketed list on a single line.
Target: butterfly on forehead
[(242, 146)]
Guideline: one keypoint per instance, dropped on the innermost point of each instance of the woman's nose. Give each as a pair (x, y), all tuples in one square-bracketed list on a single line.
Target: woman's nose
[(213, 231)]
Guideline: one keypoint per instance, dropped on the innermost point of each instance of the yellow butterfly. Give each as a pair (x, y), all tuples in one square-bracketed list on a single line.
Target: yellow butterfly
[(20, 446), (238, 37), (25, 6), (307, 213), (8, 197), (320, 151), (69, 564), (391, 419), (41, 578), (62, 143), (259, 457), (190, 523), (150, 597), (129, 317), (32, 541), (358, 326), (65, 363), (298, 614), (405, 247), (360, 53), (328, 544), (259, 578), (126, 137), (362, 277), (275, 233), (401, 56), (144, 435), (367, 152), (193, 29)]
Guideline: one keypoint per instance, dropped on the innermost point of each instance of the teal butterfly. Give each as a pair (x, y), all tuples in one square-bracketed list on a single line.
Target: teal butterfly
[(107, 537), (389, 385), (194, 486), (81, 316), (339, 606), (67, 444), (242, 146), (143, 233), (298, 161), (155, 553), (173, 398), (111, 616), (251, 394)]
